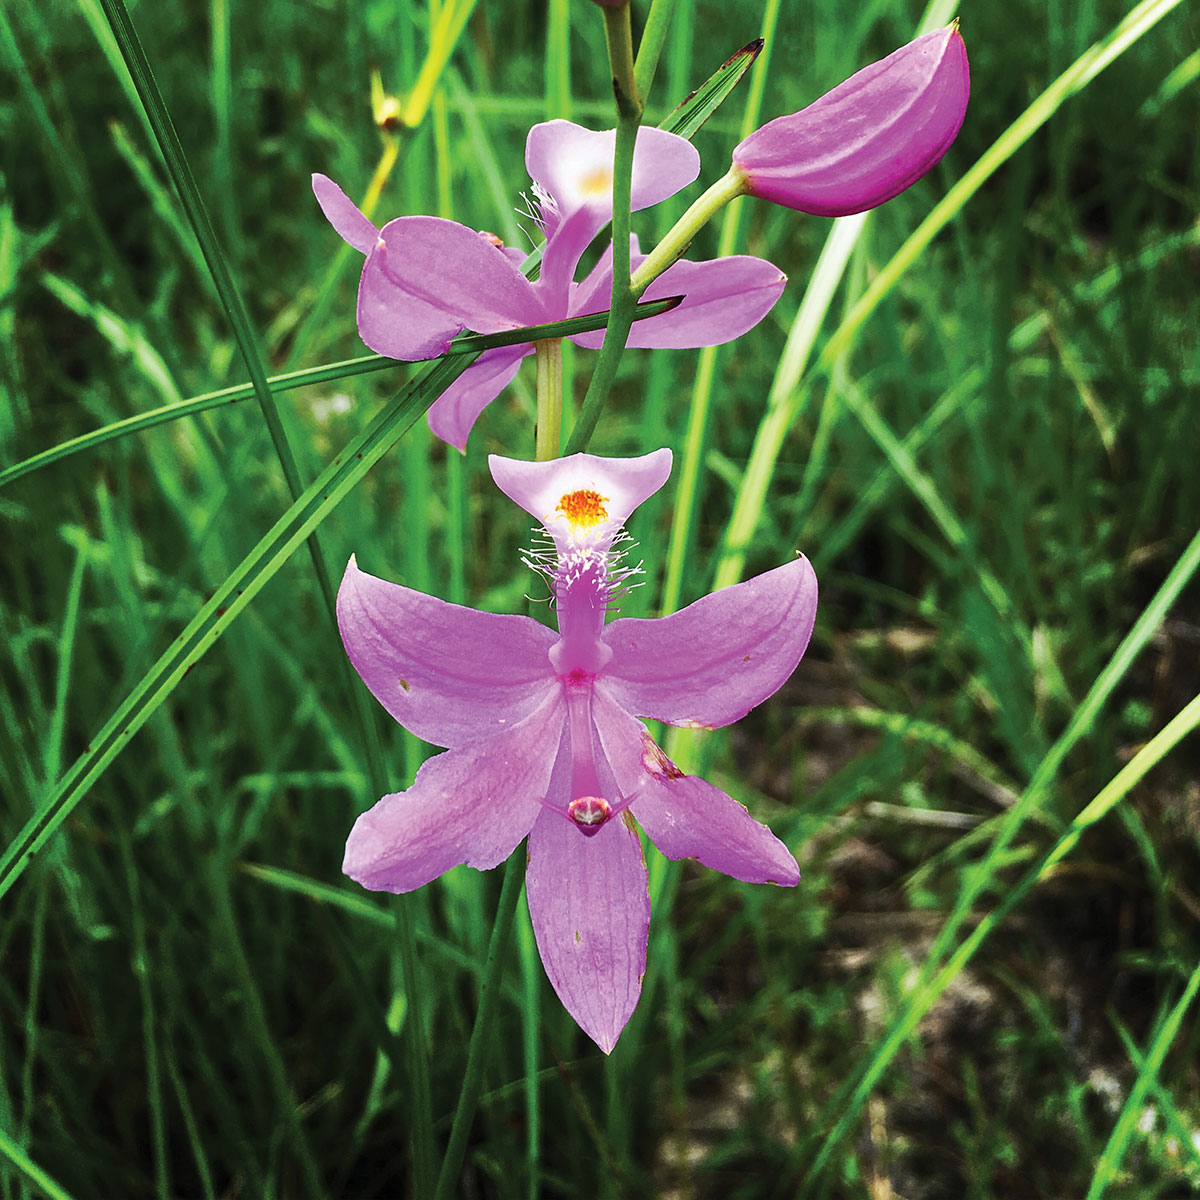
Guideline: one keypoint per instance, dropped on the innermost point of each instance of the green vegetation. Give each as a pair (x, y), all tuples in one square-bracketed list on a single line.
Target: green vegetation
[(974, 410)]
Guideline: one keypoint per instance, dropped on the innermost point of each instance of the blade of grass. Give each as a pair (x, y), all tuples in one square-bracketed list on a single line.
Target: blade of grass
[(215, 616), (768, 442), (30, 1170), (932, 982), (470, 344), (688, 486), (687, 117)]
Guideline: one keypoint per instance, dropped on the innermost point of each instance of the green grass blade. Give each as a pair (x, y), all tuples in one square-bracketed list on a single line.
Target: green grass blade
[(470, 344), (259, 566), (690, 114), (769, 441), (138, 67), (40, 1178), (1140, 20), (849, 1101)]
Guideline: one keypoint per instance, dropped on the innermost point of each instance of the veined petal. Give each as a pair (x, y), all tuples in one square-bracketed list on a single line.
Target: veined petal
[(344, 215), (455, 411), (426, 279), (870, 137), (590, 907), (449, 674), (710, 663), (684, 816), (583, 495), (472, 805), (723, 298)]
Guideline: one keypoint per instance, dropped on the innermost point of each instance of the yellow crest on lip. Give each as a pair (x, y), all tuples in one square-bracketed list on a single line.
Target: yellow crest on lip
[(596, 182), (584, 509)]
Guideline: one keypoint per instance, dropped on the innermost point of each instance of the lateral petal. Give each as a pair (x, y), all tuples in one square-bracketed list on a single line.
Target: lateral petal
[(426, 279), (449, 674), (344, 215), (454, 412), (723, 298), (590, 906), (472, 805), (684, 816), (710, 663)]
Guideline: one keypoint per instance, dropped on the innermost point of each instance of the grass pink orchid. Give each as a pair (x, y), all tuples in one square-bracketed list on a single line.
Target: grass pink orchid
[(869, 138), (543, 734), (426, 279)]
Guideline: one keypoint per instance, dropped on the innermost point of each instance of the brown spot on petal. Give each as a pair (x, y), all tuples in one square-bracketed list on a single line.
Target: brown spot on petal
[(656, 763), (578, 939)]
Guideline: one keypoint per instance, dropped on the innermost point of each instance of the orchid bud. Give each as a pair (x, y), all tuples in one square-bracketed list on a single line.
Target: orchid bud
[(869, 138)]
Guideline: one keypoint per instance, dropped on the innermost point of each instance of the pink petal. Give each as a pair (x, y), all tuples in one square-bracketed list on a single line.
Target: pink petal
[(621, 484), (426, 279), (712, 662), (870, 137), (684, 816), (574, 166), (472, 805), (454, 412), (344, 215), (723, 298), (449, 674), (590, 906)]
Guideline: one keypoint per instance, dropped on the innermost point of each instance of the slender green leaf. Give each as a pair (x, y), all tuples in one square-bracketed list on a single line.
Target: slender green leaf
[(470, 344), (690, 114), (242, 585)]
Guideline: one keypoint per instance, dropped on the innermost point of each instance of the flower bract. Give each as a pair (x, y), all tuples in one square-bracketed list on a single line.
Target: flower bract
[(426, 279), (544, 735), (869, 138)]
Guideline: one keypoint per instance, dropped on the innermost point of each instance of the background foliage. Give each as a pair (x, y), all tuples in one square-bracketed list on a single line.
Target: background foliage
[(994, 480)]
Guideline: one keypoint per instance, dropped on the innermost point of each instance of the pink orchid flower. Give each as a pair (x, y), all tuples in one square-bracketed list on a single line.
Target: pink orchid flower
[(426, 279), (870, 137), (543, 733)]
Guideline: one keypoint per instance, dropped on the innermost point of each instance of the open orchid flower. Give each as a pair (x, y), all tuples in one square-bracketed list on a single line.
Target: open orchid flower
[(426, 279), (542, 731), (869, 138)]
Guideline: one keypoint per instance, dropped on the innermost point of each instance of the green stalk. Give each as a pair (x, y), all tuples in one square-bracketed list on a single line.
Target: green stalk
[(468, 1096), (679, 237), (548, 433), (618, 33), (654, 34)]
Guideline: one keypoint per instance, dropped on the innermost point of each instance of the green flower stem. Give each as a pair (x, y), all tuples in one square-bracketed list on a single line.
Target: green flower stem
[(674, 245), (468, 1096), (654, 33), (549, 397), (618, 33)]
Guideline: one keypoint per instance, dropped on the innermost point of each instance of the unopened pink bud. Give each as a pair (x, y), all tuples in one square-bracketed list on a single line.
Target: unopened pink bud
[(869, 138)]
